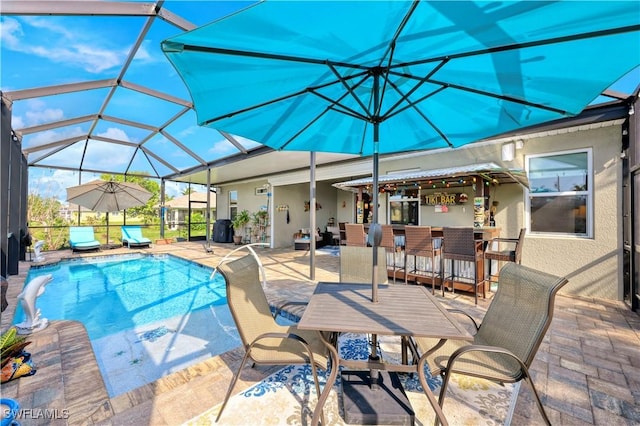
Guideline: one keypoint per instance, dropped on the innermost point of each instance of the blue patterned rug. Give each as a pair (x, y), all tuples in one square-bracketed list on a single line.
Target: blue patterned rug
[(288, 396), (331, 250)]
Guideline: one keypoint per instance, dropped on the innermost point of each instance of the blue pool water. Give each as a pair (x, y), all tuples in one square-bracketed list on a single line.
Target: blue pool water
[(147, 316), (111, 294)]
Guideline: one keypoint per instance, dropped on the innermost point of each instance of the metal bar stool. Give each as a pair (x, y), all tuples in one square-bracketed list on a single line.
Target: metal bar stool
[(496, 251), (424, 248), (460, 245), (391, 249)]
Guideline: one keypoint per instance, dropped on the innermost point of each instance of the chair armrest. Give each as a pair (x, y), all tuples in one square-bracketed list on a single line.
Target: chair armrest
[(459, 311), (280, 308), (484, 348), (505, 240), (272, 335)]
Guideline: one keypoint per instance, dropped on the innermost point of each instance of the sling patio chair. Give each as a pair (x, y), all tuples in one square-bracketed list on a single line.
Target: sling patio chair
[(82, 238), (508, 338), (132, 236), (264, 340)]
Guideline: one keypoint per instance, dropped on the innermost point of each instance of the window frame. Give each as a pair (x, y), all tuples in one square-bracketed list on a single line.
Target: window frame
[(233, 204), (588, 193)]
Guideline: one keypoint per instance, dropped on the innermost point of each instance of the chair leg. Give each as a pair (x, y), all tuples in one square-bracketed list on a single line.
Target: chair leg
[(537, 397), (232, 384), (443, 390), (475, 281)]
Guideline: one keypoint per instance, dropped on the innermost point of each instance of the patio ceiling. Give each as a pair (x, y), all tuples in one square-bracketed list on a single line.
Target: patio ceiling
[(90, 90)]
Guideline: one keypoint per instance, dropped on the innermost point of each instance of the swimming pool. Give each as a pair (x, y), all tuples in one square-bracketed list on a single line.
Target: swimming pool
[(146, 315)]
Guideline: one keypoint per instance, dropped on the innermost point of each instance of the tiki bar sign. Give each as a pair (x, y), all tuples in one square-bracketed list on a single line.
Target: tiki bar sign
[(443, 198)]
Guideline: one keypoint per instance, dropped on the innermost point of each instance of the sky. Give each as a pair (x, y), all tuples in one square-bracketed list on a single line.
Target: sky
[(39, 51)]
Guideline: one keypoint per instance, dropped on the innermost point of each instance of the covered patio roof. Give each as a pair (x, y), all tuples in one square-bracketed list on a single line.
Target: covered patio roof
[(454, 176)]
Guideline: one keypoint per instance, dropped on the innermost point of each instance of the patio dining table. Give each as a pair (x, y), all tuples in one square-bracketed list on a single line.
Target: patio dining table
[(403, 311)]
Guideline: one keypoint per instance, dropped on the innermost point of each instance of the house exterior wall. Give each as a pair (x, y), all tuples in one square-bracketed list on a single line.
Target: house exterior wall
[(593, 264)]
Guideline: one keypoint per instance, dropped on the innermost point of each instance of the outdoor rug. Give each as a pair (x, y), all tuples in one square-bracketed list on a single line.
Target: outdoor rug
[(331, 250), (288, 395)]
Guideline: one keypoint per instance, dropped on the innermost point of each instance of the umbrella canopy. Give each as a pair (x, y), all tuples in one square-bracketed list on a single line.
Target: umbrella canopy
[(381, 77), (103, 196)]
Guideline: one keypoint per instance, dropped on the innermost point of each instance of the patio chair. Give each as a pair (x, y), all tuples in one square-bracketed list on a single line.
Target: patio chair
[(506, 342), (132, 236), (82, 238), (264, 340), (503, 250), (356, 265), (355, 234), (335, 235)]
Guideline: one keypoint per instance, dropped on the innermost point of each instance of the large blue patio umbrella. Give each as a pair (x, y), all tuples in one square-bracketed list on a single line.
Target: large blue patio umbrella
[(381, 77)]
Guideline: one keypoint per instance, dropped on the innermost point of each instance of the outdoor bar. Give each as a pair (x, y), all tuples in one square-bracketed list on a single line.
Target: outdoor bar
[(452, 197)]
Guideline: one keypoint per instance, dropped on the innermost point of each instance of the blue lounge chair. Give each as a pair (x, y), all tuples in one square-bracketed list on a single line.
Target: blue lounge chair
[(82, 238), (132, 236)]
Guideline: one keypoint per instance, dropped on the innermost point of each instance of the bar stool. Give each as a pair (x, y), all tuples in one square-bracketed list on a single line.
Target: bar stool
[(494, 252), (460, 245), (356, 235), (343, 233), (420, 244), (389, 244)]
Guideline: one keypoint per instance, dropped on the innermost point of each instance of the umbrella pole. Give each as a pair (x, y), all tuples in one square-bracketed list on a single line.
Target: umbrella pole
[(108, 246)]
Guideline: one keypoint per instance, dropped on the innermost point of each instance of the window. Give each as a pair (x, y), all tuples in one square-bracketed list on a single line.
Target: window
[(560, 193), (404, 207), (233, 204)]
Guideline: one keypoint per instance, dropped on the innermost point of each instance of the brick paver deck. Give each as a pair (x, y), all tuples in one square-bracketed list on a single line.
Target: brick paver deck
[(587, 370)]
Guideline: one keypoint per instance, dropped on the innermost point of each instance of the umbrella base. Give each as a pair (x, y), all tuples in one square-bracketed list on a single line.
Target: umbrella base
[(385, 404)]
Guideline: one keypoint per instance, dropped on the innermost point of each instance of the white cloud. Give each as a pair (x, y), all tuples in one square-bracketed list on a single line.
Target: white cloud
[(115, 133), (44, 116), (60, 45), (10, 32), (50, 183)]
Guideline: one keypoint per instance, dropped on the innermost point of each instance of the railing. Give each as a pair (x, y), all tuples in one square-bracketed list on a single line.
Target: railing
[(57, 237)]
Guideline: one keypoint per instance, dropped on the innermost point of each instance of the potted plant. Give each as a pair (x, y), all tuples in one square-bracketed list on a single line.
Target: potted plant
[(239, 222)]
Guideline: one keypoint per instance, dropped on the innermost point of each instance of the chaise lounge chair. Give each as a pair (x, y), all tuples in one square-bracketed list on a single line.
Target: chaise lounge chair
[(82, 238), (132, 236)]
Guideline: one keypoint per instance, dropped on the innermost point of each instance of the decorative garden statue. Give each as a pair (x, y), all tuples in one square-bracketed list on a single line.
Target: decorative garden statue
[(32, 321)]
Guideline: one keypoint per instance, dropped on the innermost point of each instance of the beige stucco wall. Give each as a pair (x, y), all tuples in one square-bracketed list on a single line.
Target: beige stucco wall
[(592, 265)]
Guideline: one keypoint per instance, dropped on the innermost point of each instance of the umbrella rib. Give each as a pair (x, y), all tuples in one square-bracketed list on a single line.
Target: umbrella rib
[(405, 97), (414, 105), (347, 111), (276, 100), (502, 97), (343, 108), (346, 86), (524, 45), (390, 51), (261, 55)]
